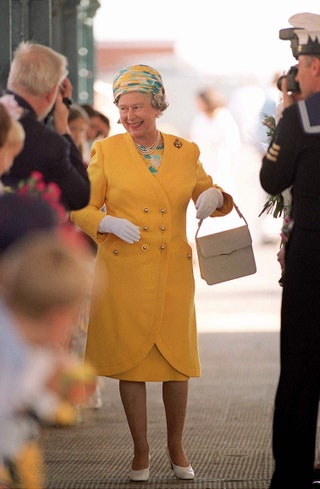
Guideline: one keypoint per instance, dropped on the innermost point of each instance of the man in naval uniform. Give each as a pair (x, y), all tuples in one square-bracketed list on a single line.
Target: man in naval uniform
[(293, 161)]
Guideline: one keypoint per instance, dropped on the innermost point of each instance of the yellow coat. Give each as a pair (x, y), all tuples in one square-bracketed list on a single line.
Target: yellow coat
[(143, 292)]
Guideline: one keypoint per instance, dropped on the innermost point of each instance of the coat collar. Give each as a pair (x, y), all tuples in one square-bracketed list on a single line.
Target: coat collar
[(28, 109), (309, 111)]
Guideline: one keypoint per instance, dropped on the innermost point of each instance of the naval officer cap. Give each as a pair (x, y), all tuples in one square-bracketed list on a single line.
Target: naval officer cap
[(288, 34), (304, 34)]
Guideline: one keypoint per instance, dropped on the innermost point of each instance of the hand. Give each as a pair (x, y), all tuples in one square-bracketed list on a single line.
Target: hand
[(289, 98), (281, 257), (66, 88), (61, 110), (124, 229), (208, 202)]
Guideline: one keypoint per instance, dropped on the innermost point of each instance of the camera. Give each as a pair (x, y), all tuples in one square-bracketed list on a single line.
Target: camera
[(292, 85)]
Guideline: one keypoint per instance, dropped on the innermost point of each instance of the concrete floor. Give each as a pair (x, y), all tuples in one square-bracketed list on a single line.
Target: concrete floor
[(228, 427)]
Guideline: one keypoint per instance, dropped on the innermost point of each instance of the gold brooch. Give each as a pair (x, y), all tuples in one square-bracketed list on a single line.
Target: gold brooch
[(177, 143)]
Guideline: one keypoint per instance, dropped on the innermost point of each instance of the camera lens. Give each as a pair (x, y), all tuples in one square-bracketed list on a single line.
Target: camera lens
[(292, 85), (280, 81)]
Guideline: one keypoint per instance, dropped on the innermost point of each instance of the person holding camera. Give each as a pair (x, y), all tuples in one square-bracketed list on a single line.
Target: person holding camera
[(38, 80), (292, 161)]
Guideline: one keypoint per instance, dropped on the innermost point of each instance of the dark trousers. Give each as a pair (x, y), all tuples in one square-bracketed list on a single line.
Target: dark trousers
[(297, 396)]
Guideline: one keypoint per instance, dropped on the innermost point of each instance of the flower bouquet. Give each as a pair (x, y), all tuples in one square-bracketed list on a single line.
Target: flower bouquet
[(49, 192), (274, 204)]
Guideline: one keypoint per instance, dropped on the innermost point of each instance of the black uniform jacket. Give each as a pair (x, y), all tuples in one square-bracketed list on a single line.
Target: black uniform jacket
[(293, 160), (55, 156)]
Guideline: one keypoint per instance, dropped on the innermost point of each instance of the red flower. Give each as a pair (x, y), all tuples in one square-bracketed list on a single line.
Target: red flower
[(49, 192)]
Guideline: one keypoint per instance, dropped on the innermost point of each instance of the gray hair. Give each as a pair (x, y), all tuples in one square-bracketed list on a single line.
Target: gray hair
[(159, 102), (36, 69)]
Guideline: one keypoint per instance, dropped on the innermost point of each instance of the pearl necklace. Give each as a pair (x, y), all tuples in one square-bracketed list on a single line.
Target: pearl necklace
[(147, 150)]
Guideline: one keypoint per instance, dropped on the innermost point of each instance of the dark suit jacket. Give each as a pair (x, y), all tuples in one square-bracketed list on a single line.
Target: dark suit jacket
[(55, 156)]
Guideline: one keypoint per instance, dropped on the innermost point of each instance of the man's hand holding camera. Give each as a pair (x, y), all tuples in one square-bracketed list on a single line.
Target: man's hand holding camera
[(289, 87), (61, 108)]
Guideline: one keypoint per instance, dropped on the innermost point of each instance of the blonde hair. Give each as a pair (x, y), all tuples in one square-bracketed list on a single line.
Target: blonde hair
[(36, 69), (40, 273), (16, 135), (5, 124), (12, 138)]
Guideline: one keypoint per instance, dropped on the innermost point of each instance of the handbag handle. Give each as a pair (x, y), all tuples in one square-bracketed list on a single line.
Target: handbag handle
[(239, 214)]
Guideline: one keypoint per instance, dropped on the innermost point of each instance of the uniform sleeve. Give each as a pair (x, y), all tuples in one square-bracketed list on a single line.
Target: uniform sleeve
[(89, 217), (279, 164)]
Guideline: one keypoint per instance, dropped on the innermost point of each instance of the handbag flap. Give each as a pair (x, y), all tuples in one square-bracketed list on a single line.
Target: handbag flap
[(224, 242)]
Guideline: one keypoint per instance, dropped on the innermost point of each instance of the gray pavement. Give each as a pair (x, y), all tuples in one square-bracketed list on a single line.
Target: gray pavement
[(228, 427), (246, 304)]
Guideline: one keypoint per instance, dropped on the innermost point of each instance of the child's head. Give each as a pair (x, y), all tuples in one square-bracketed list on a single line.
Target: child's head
[(11, 139), (22, 214), (44, 281), (78, 123), (99, 123)]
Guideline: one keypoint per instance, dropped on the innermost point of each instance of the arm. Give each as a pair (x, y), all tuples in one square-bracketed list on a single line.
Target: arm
[(278, 165), (204, 181), (69, 172), (89, 218)]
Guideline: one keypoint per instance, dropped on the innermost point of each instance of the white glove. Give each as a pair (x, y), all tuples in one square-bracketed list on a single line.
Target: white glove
[(208, 202), (124, 229)]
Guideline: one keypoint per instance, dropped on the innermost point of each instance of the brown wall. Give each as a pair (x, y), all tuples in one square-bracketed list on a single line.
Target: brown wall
[(111, 56)]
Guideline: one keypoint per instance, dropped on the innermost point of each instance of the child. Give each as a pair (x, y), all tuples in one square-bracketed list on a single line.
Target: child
[(43, 282), (11, 132), (78, 121)]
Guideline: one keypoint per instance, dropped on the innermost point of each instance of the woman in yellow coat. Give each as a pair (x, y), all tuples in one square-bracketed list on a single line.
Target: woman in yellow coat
[(142, 324)]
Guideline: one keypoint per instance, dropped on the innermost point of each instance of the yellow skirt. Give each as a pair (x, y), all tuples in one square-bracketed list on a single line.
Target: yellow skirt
[(153, 368)]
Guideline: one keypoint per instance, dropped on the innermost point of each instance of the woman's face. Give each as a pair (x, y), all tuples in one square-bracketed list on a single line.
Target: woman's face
[(138, 116), (78, 129), (97, 129)]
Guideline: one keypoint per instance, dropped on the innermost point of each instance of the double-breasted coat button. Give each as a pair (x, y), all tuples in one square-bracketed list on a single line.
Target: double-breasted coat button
[(163, 229), (163, 210), (146, 210), (145, 247), (116, 252)]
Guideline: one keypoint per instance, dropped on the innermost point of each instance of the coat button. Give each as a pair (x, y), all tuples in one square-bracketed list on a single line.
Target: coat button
[(189, 256), (163, 210), (162, 247), (145, 247), (146, 210), (163, 229), (146, 228), (116, 252)]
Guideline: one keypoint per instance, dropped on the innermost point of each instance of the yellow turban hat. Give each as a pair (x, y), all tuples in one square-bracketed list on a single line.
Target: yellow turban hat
[(137, 78)]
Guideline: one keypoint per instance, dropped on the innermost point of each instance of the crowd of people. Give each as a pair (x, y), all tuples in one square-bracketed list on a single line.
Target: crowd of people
[(96, 272), (44, 283)]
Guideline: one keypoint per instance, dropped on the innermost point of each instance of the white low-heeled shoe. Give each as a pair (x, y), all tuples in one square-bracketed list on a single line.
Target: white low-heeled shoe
[(184, 473), (139, 475)]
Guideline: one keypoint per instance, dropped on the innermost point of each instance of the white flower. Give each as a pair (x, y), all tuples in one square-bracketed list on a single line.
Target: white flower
[(12, 106)]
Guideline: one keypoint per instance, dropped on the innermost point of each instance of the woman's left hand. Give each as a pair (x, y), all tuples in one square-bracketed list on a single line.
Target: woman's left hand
[(208, 202)]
